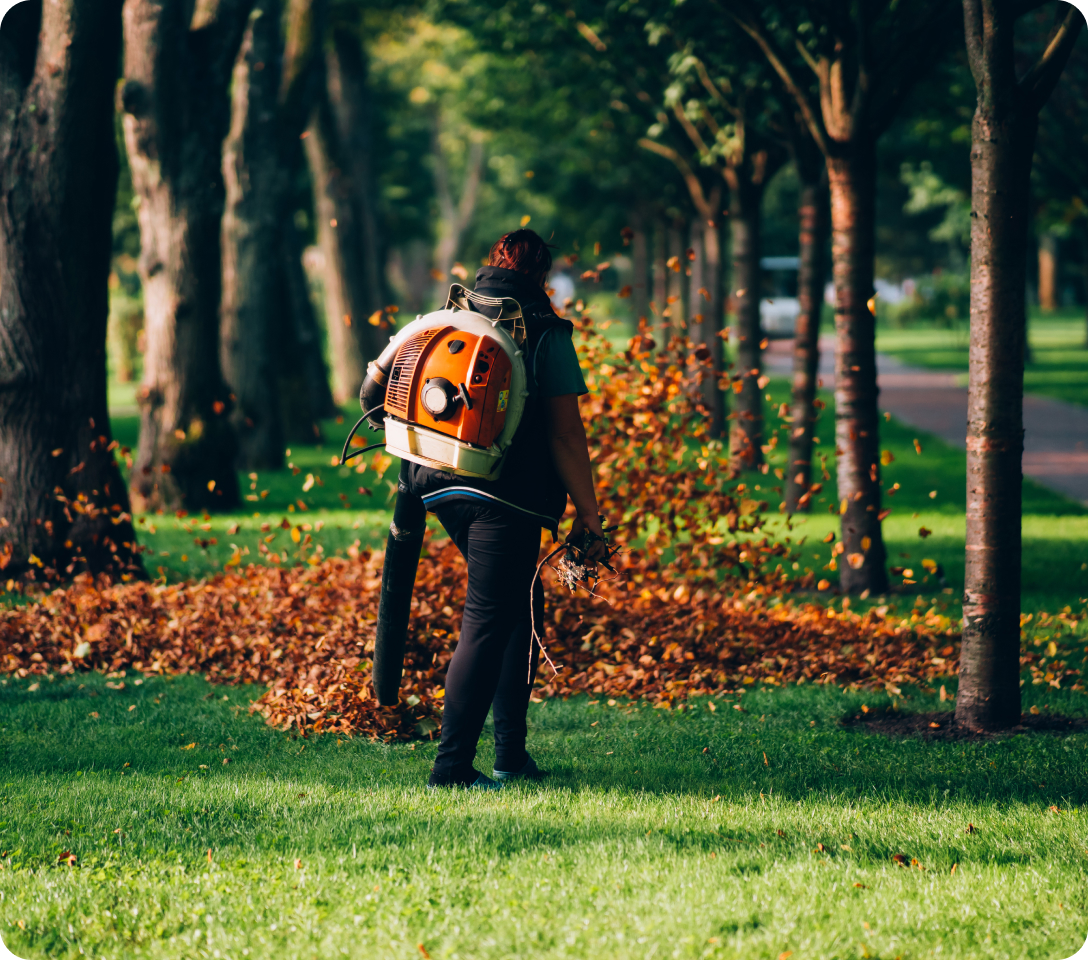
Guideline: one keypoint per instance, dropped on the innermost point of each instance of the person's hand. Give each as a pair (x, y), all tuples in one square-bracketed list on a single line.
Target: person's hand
[(597, 550)]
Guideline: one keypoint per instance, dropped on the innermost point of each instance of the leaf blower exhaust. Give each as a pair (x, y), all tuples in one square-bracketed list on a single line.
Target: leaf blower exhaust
[(449, 391)]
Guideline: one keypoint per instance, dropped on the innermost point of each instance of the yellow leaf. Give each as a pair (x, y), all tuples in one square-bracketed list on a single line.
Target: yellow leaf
[(525, 220), (866, 543), (886, 457), (930, 565), (375, 318), (842, 506), (856, 560), (189, 746), (309, 484), (1052, 649), (295, 535), (211, 485)]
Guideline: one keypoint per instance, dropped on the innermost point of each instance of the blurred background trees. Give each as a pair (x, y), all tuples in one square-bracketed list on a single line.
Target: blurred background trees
[(298, 176)]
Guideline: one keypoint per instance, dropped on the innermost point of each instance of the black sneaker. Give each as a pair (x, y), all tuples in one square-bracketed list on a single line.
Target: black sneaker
[(530, 771)]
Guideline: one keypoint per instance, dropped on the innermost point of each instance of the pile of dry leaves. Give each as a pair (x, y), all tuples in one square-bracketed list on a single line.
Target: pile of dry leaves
[(701, 602), (308, 632)]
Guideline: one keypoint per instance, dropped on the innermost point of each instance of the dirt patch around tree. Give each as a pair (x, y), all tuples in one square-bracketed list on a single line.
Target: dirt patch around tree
[(942, 725)]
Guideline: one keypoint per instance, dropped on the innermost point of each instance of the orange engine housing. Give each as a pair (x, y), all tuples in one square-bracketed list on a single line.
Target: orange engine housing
[(477, 368)]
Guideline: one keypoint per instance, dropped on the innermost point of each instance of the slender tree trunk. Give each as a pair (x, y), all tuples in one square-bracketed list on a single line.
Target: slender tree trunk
[(255, 184), (640, 283), (1048, 271), (676, 299), (176, 114), (714, 397), (852, 176), (1084, 273), (661, 289), (63, 504), (456, 215), (338, 147), (812, 215), (746, 437)]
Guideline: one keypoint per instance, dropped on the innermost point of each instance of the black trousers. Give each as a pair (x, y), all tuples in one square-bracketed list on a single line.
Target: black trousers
[(492, 665)]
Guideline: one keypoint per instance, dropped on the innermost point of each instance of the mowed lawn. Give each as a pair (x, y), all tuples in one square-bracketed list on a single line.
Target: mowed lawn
[(751, 826), (761, 832)]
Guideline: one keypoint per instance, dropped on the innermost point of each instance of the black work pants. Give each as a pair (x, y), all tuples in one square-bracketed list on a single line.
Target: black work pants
[(495, 660)]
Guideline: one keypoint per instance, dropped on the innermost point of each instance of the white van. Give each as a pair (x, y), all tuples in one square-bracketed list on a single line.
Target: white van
[(778, 305)]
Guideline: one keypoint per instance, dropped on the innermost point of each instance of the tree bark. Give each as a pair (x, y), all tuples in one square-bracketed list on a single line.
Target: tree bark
[(640, 283), (661, 289), (455, 215), (746, 436), (1048, 271), (63, 504), (268, 342), (338, 147), (852, 176), (1002, 143), (812, 216), (676, 278), (255, 184), (177, 67)]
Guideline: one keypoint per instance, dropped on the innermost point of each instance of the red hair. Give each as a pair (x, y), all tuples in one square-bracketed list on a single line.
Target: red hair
[(523, 251)]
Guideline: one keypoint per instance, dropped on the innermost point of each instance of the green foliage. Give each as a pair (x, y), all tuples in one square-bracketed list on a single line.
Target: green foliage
[(693, 833)]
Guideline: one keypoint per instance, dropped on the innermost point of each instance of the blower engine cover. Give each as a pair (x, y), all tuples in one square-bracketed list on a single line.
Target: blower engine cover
[(455, 393)]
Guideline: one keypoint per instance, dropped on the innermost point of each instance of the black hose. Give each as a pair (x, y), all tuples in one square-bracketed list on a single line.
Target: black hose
[(344, 458), (402, 549)]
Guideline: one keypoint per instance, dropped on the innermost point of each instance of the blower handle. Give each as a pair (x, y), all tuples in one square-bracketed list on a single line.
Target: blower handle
[(402, 549)]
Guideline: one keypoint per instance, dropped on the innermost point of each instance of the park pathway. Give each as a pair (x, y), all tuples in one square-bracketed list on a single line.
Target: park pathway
[(1055, 433)]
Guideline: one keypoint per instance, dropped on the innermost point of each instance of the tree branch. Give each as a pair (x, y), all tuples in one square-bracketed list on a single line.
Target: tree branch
[(1039, 82), (695, 188), (749, 23), (691, 130)]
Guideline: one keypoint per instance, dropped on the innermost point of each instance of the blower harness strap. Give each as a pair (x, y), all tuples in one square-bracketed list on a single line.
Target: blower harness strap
[(345, 456)]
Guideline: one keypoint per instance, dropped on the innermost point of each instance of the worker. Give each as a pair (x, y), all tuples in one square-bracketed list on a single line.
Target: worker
[(496, 526)]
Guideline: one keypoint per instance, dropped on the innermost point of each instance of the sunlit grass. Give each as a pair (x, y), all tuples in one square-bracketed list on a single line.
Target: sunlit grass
[(659, 834)]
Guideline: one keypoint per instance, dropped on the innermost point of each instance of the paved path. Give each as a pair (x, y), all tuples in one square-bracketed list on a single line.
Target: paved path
[(1055, 433)]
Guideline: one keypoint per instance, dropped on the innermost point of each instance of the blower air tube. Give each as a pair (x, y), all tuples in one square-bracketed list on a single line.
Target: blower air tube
[(402, 551), (372, 392)]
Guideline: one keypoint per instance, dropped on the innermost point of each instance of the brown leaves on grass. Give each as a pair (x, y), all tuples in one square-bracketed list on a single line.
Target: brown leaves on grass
[(701, 603)]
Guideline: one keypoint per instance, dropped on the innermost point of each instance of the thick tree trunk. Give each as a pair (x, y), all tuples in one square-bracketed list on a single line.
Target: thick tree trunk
[(812, 215), (745, 214), (255, 184), (176, 114), (270, 349), (1002, 144), (338, 147), (640, 258), (989, 685), (63, 504), (852, 176)]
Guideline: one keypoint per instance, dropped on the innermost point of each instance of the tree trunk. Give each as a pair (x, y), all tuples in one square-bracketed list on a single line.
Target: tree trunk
[(812, 215), (852, 176), (338, 147), (455, 215), (1048, 271), (640, 283), (268, 341), (746, 437), (63, 504), (1084, 270), (989, 686), (1002, 144), (661, 289), (176, 114), (676, 282), (255, 183), (707, 332)]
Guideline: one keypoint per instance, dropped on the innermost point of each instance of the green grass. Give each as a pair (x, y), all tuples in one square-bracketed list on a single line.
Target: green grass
[(1058, 367), (660, 834), (1055, 529)]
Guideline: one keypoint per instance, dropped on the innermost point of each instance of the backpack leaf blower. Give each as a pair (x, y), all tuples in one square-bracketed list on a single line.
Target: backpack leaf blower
[(449, 391)]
